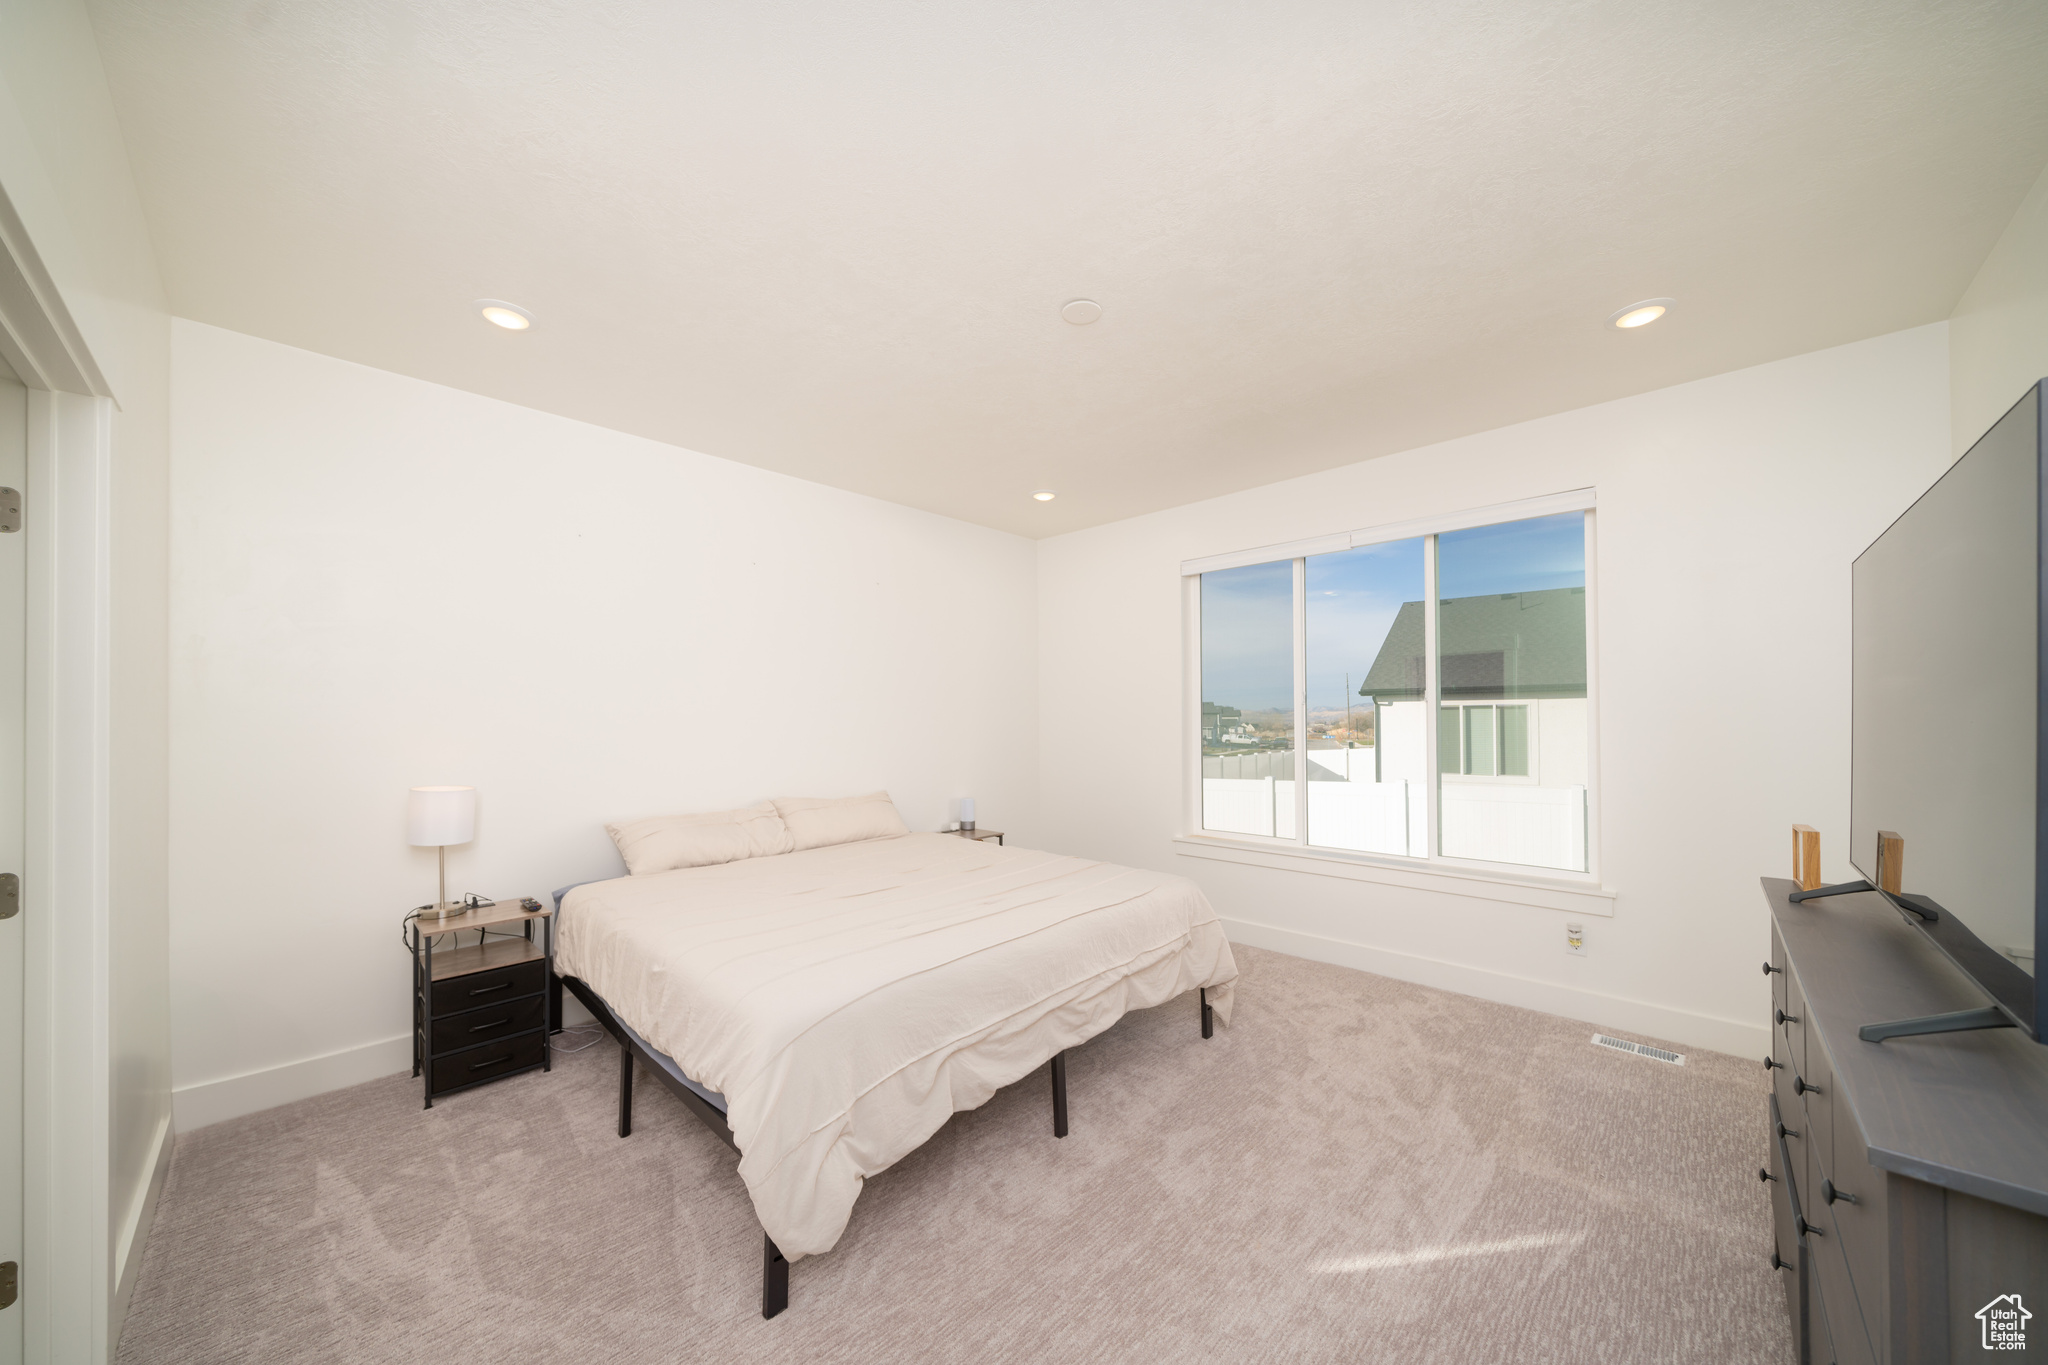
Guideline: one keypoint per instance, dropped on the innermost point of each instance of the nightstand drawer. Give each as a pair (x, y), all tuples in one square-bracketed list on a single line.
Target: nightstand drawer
[(484, 1063), (477, 989), (492, 1022)]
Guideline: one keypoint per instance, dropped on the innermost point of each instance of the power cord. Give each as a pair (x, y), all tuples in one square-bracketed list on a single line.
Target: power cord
[(470, 900), (593, 1031)]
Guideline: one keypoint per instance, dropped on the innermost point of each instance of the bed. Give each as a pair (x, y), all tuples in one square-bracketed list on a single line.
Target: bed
[(825, 1011)]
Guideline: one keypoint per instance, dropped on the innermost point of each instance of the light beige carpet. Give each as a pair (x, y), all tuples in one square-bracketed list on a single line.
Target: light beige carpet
[(1358, 1170)]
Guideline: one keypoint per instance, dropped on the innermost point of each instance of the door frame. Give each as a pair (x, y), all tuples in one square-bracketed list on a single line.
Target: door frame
[(68, 1277)]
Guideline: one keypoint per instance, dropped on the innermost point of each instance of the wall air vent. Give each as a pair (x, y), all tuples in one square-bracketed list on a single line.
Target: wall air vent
[(1655, 1054)]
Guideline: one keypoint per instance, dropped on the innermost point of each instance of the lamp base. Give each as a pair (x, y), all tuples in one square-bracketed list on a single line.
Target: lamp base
[(967, 827)]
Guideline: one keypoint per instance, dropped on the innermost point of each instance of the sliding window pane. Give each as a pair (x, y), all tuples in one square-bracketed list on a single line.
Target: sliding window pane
[(1514, 741), (1367, 759), (1479, 741), (1511, 625), (1248, 700)]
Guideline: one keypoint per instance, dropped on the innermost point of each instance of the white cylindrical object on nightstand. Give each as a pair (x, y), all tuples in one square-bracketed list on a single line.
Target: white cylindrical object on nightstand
[(440, 815), (967, 812)]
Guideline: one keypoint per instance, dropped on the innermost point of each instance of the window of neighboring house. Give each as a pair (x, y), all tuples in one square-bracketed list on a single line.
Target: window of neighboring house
[(1335, 655), (1484, 741)]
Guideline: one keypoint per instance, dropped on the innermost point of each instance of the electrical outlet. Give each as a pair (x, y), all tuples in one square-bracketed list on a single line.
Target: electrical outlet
[(1575, 939)]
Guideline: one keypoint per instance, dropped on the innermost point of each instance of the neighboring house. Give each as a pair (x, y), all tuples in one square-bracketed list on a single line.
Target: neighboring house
[(1218, 721), (1511, 744), (1513, 693), (1511, 727)]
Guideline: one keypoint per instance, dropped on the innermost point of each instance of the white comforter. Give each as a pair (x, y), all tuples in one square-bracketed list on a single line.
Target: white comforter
[(848, 1000)]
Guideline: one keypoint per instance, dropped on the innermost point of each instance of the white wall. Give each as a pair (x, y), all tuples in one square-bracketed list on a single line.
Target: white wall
[(1998, 336), (1729, 511), (378, 582), (65, 169)]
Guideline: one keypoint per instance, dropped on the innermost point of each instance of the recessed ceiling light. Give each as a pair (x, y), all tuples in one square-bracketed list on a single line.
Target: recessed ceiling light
[(510, 316), (1640, 314), (1081, 312), (1044, 495)]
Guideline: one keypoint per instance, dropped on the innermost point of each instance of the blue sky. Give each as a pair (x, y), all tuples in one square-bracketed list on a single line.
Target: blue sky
[(1353, 595)]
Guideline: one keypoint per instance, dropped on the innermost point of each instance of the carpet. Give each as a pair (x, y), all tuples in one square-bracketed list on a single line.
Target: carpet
[(1357, 1169)]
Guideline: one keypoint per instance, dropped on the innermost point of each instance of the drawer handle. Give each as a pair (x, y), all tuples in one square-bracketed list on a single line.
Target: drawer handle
[(493, 1024), (1809, 1229), (1770, 1065), (1778, 1263), (1829, 1194), (1800, 1086), (479, 1066), (1784, 1018), (486, 990), (1763, 1173), (1768, 969), (1785, 1132)]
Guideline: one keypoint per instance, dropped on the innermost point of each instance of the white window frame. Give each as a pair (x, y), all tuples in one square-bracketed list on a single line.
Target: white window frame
[(1515, 883)]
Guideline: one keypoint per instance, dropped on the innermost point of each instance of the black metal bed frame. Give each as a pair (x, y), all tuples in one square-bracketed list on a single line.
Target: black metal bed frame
[(774, 1266)]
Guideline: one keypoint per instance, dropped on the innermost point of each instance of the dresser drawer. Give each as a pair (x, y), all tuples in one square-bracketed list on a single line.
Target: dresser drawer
[(486, 1025), (1790, 1110), (488, 988), (1792, 1129), (1815, 1083), (1789, 1254), (1777, 971), (1858, 1213), (491, 1060), (1835, 1294), (1788, 1021)]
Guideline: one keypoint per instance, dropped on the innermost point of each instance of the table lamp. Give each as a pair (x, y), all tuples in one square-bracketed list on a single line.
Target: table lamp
[(438, 817)]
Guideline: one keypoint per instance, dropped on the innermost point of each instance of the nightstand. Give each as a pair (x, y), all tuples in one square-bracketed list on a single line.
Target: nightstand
[(480, 1010), (977, 834)]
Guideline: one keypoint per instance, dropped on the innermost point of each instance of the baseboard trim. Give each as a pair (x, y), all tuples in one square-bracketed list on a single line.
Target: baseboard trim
[(208, 1102), (135, 1230), (1616, 1013)]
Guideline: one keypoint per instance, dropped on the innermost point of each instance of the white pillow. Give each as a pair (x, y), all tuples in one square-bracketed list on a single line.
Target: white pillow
[(815, 822), (667, 842)]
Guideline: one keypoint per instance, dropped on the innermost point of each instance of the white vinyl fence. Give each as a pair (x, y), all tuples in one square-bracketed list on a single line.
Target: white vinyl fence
[(1248, 805), (1532, 826)]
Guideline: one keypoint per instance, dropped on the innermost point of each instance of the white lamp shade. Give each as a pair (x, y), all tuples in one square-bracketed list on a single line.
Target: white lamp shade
[(440, 815)]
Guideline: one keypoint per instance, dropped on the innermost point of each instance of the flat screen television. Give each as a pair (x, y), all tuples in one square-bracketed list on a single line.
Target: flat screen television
[(1949, 716)]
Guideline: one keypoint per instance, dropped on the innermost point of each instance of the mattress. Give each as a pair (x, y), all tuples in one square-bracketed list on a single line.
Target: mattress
[(846, 1001)]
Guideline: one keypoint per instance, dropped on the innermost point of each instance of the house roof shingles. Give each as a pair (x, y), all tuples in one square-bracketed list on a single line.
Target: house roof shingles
[(1497, 646)]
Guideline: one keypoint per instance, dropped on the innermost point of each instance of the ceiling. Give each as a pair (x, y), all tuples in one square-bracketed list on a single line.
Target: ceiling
[(834, 240)]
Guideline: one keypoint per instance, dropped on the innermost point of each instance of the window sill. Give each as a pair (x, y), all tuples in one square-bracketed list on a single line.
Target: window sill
[(1547, 893)]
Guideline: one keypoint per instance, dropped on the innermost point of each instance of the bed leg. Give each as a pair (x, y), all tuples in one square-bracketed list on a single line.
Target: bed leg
[(774, 1278), (554, 1002), (1208, 1016), (625, 1090), (1059, 1094)]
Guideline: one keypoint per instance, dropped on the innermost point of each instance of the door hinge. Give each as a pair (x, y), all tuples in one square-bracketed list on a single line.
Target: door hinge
[(10, 899), (10, 1283), (10, 509)]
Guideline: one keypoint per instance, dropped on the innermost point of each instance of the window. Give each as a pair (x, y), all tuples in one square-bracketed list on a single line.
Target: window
[(1336, 654), (1483, 741), (1248, 700), (1364, 794)]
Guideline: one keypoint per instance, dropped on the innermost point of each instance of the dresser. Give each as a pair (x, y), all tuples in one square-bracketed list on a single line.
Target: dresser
[(481, 1008), (1908, 1179)]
